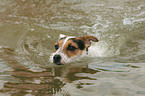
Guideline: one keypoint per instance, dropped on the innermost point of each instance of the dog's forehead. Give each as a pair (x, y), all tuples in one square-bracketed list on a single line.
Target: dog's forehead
[(70, 41)]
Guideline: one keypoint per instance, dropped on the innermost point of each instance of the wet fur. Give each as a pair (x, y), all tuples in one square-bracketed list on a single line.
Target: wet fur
[(80, 45)]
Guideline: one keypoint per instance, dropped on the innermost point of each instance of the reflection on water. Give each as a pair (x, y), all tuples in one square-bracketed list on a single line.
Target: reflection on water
[(46, 82)]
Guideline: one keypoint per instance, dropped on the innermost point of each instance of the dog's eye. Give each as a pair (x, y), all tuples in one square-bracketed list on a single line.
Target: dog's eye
[(71, 48), (56, 47)]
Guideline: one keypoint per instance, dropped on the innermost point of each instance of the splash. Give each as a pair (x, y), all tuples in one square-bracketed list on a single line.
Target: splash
[(110, 38)]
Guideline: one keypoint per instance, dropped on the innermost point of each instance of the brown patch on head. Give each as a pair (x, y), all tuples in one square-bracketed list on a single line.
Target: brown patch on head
[(72, 47)]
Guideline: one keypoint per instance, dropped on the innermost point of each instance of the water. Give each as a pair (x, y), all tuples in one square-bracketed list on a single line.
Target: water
[(29, 29)]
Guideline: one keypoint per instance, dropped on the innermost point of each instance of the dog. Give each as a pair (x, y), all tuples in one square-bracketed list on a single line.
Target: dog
[(69, 48)]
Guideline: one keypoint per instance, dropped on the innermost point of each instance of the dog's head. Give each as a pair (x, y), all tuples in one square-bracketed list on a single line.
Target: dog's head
[(69, 48)]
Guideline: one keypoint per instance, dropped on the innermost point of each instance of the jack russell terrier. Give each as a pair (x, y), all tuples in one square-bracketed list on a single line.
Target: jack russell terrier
[(69, 48)]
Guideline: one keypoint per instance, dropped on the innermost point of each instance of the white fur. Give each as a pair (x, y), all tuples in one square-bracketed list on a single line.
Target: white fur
[(62, 36)]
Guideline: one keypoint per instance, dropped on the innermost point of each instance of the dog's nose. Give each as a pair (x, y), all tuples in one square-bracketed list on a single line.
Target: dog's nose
[(57, 59)]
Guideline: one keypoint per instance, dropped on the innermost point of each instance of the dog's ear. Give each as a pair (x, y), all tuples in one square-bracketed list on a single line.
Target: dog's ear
[(62, 36), (88, 40)]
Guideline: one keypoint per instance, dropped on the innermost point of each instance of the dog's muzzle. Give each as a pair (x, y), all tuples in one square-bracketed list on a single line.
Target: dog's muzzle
[(57, 59), (60, 58)]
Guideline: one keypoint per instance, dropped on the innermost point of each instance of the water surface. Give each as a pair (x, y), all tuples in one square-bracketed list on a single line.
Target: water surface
[(29, 29)]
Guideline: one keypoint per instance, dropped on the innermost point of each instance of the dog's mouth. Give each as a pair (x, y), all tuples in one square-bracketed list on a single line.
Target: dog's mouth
[(58, 63)]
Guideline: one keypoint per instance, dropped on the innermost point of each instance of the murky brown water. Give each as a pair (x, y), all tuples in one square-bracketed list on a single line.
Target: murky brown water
[(29, 29)]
